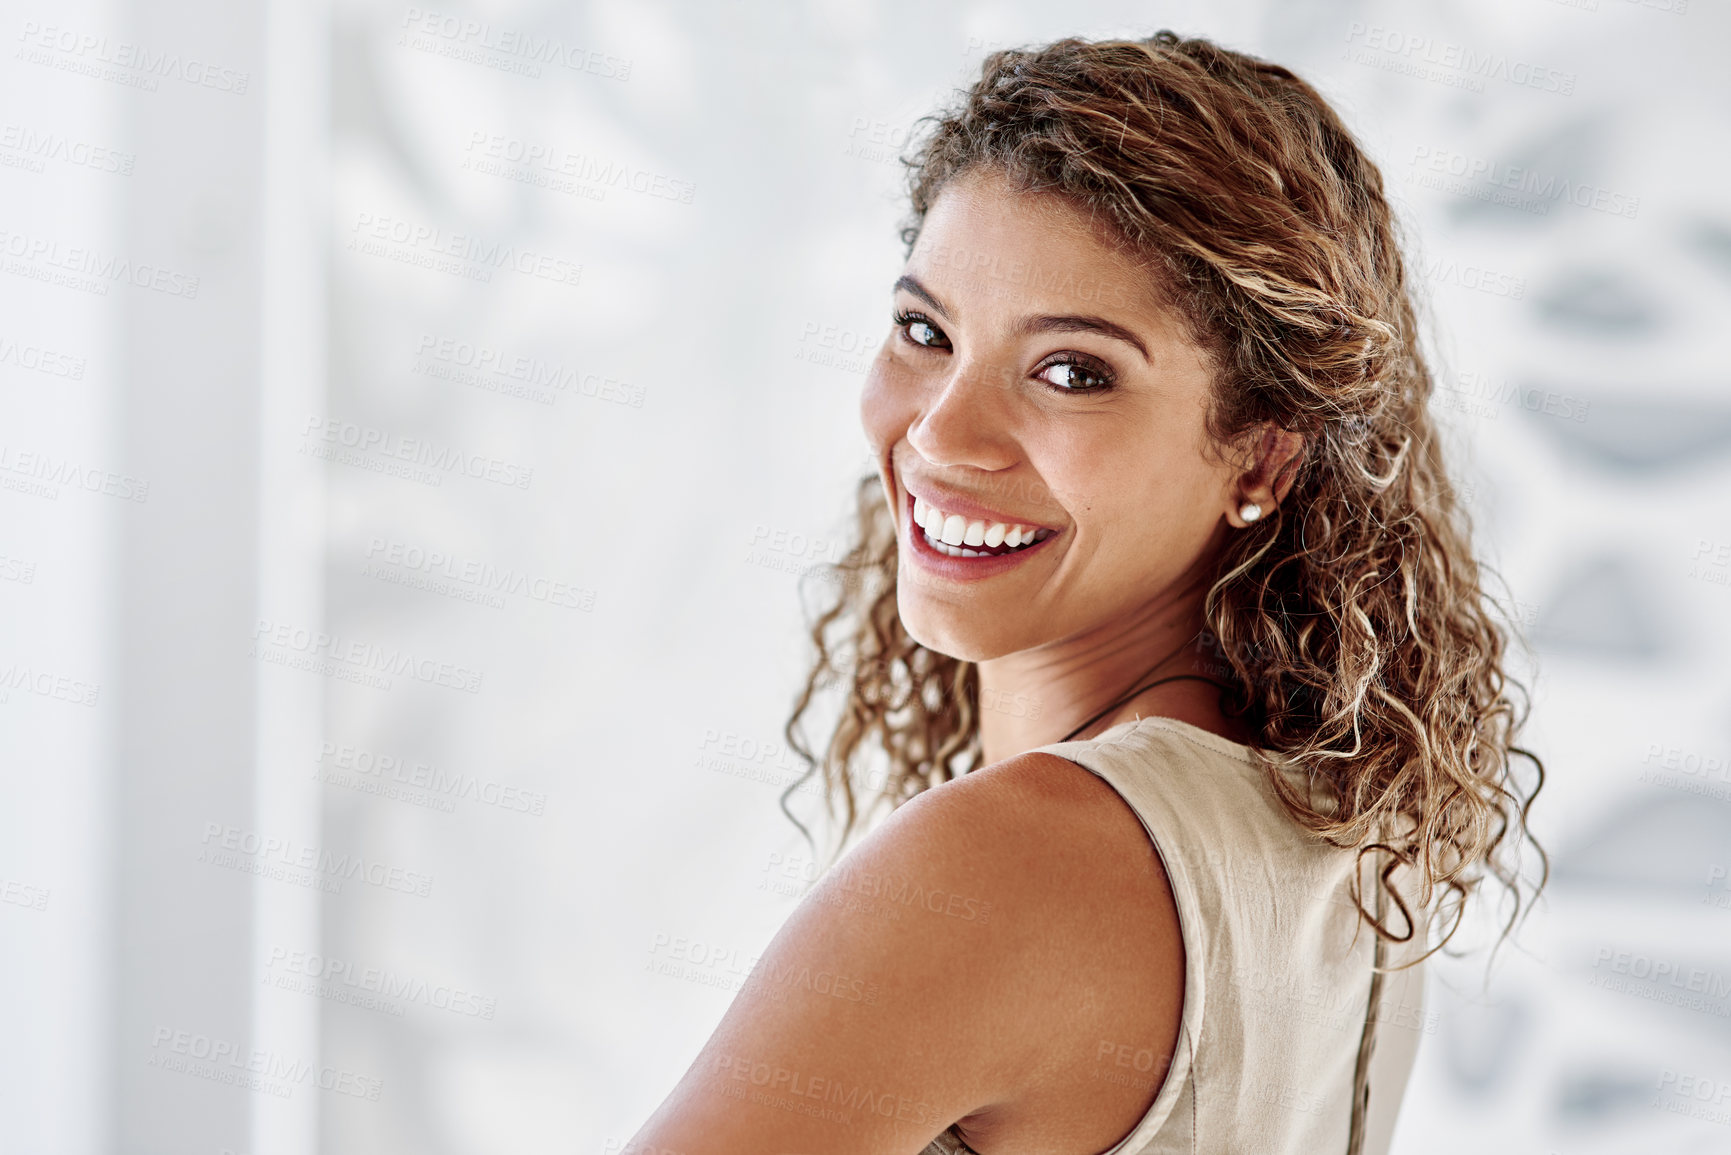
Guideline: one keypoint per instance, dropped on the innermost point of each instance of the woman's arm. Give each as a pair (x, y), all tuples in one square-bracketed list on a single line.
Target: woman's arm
[(974, 956)]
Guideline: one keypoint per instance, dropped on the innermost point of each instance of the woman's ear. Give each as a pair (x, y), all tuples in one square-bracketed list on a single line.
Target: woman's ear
[(1267, 474)]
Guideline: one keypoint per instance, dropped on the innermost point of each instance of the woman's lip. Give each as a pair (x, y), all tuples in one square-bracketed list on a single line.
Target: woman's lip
[(964, 568), (961, 507)]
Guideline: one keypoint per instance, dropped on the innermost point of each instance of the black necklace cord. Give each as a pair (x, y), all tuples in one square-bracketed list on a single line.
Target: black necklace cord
[(1138, 690), (1149, 686), (1127, 697)]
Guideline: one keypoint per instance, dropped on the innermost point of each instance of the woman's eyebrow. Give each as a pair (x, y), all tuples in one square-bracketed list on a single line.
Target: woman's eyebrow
[(1070, 323), (923, 293), (1045, 323)]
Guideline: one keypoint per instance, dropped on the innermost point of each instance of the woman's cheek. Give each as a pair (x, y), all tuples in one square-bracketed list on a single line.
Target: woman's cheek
[(887, 404)]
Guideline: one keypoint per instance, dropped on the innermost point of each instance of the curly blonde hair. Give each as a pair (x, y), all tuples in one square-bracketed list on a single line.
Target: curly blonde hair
[(1351, 623)]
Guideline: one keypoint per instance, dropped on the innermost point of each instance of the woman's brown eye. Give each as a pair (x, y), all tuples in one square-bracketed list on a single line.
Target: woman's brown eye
[(1072, 377), (923, 333)]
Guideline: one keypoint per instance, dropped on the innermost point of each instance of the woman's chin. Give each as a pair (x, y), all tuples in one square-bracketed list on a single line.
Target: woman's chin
[(948, 631)]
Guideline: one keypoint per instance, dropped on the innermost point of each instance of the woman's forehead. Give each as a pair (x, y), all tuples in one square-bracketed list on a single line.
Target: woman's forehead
[(987, 248)]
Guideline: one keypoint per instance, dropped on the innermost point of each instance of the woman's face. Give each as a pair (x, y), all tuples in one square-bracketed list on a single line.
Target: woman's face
[(1032, 378)]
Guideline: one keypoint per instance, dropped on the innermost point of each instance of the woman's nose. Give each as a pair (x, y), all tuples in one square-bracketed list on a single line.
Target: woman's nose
[(965, 418)]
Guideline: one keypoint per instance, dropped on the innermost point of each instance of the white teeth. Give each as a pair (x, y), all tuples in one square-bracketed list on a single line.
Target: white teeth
[(934, 522), (949, 532)]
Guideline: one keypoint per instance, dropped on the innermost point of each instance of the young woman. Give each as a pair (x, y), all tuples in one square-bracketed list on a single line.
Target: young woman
[(1168, 628)]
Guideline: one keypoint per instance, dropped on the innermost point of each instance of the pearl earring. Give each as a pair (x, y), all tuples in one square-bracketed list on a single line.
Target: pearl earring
[(1250, 511)]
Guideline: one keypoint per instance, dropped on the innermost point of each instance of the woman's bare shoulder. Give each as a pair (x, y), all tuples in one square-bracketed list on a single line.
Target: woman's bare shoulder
[(987, 954), (1081, 884)]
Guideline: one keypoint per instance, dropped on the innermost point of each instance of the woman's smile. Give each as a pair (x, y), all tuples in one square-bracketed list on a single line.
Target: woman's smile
[(956, 546)]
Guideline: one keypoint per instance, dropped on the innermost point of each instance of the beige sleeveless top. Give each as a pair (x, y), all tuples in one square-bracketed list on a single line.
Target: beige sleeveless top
[(1276, 988)]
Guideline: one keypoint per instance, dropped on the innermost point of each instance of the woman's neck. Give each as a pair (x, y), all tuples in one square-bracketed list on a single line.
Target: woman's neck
[(1037, 697)]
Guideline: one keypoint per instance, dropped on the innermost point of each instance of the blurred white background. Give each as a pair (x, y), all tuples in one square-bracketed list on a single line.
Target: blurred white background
[(416, 421)]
